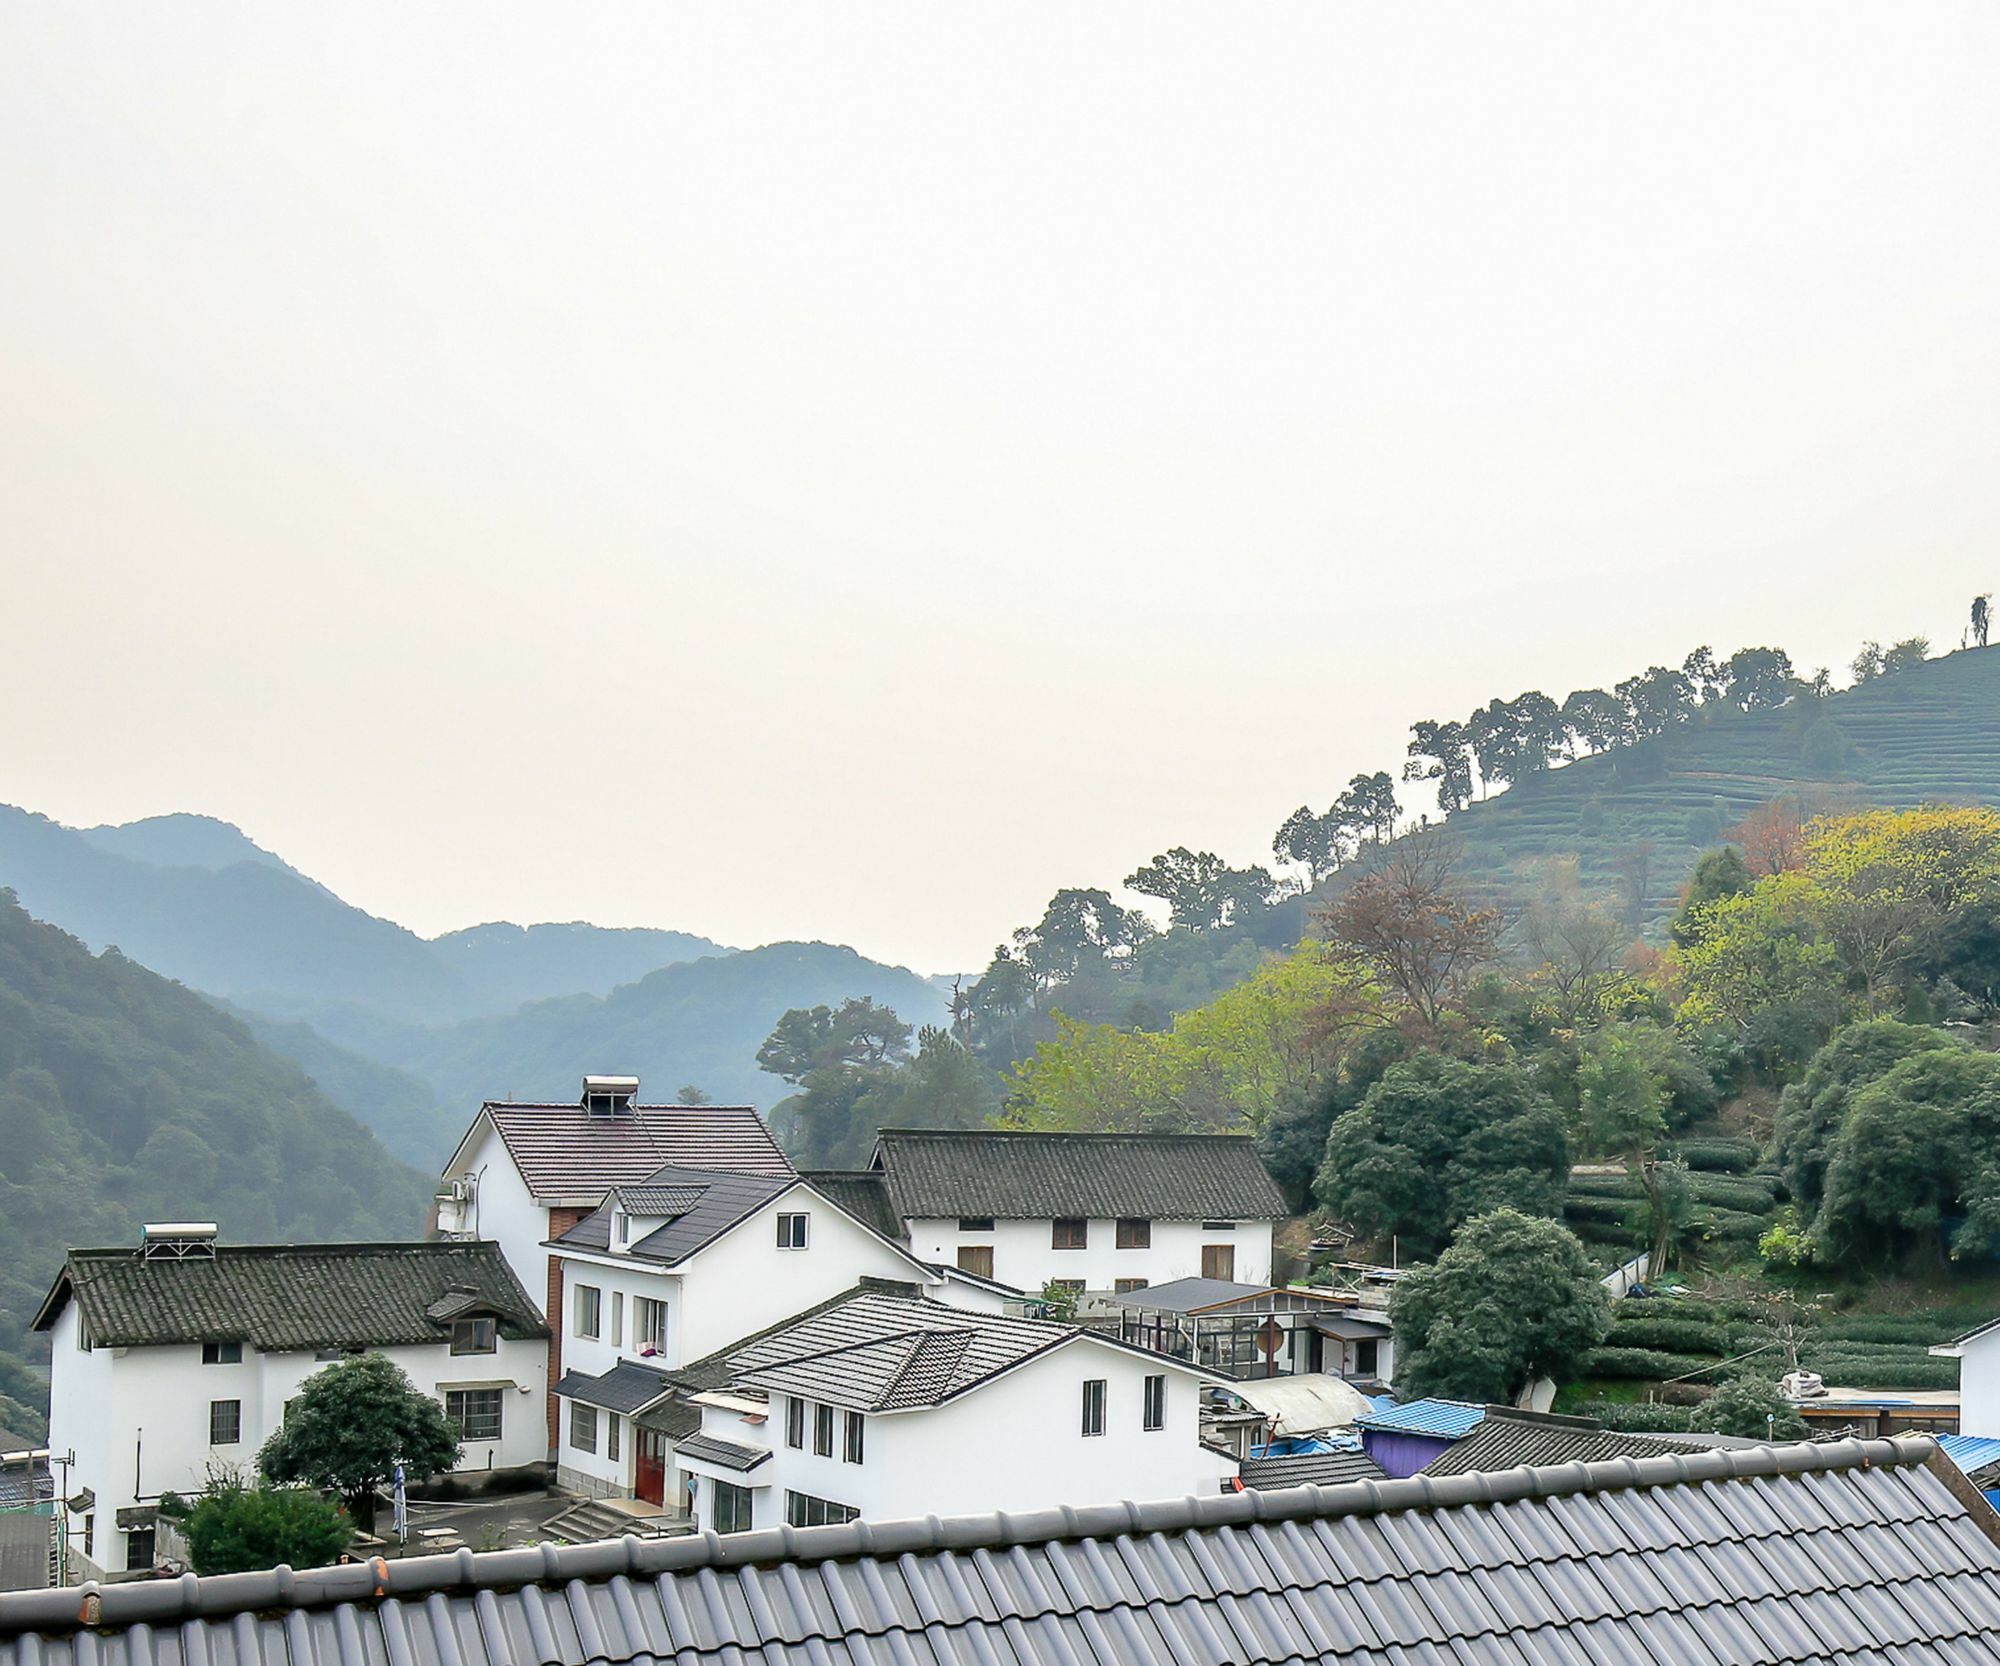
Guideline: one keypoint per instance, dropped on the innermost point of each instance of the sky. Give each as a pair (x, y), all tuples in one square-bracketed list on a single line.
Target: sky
[(848, 471)]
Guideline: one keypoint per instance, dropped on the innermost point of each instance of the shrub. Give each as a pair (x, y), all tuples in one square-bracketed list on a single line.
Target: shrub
[(1636, 1418), (1685, 1336), (1603, 1185), (1752, 1407), (1667, 1307), (1718, 1156), (238, 1528), (1606, 1211), (1751, 1194), (1641, 1364), (1786, 1244)]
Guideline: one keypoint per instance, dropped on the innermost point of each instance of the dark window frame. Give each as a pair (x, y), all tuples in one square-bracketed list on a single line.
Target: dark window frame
[(852, 1437), (822, 1430), (483, 1332), (1069, 1232), (729, 1509), (804, 1510), (975, 1223), (229, 1433), (1155, 1402), (1134, 1233), (1095, 1391), (795, 1422), (466, 1420), (793, 1230), (222, 1353)]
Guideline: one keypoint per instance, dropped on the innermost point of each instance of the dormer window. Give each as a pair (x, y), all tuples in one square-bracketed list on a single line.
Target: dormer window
[(621, 1229), (475, 1336), (608, 1096)]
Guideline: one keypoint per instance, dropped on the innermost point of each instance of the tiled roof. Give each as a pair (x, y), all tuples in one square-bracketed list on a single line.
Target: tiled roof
[(877, 1352), (863, 1193), (1833, 1555), (1508, 1439), (563, 1152), (673, 1418), (1447, 1419), (662, 1201), (284, 1296), (715, 1201), (724, 1454), (1310, 1469), (936, 1174), (626, 1388)]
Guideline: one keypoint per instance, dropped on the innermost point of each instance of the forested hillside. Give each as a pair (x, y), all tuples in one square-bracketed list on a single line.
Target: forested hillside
[(1638, 814), (125, 1098), (698, 1024)]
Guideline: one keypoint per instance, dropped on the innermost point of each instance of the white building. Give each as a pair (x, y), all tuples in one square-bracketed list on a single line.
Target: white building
[(1092, 1212), (886, 1405), (179, 1355), (673, 1270), (526, 1174), (1978, 1356)]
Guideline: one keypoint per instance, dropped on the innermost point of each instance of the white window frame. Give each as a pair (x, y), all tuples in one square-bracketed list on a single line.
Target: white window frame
[(793, 1228), (590, 1301), (1154, 1401), (582, 1426), (1095, 1392), (644, 1334)]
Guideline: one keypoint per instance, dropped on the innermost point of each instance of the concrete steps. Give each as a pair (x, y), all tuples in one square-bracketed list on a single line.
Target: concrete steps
[(612, 1518)]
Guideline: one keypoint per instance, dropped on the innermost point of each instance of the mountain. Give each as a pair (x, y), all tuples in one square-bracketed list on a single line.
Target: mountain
[(507, 965), (126, 1098), (697, 1024), (1637, 817), (251, 930), (183, 841)]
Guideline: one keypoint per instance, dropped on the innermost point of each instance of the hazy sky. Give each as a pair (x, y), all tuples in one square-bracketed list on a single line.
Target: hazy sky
[(848, 470)]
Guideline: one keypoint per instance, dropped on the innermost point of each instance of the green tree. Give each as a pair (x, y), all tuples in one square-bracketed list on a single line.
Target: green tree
[(1900, 656), (351, 1424), (239, 1529), (1622, 1111), (1981, 610), (857, 1032), (1719, 873), (1758, 679), (1319, 844), (1594, 720), (1812, 1110), (1514, 1298), (1435, 1142), (1442, 752), (1366, 811), (1752, 1409), (1916, 1153)]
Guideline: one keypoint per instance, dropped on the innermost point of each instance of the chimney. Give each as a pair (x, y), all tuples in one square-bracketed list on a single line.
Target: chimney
[(608, 1096)]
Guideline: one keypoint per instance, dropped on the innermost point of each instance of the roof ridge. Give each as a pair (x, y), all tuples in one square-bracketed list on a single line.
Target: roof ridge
[(339, 1247), (155, 1602)]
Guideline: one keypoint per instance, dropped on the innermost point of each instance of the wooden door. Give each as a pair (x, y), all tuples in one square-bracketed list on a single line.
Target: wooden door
[(976, 1259), (1219, 1261), (650, 1482)]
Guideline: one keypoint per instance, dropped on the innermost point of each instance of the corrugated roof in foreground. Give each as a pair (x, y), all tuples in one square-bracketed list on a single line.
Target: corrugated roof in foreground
[(1847, 1552)]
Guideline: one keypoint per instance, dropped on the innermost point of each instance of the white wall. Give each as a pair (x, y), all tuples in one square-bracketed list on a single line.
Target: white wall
[(1024, 1257), (504, 1211), (138, 1418), (1014, 1444), (1978, 1387)]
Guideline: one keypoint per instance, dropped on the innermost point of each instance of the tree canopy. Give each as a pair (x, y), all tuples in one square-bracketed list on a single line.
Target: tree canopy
[(1514, 1298), (236, 1529), (349, 1427)]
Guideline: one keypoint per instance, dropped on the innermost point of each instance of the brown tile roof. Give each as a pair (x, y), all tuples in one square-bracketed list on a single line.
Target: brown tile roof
[(563, 1152)]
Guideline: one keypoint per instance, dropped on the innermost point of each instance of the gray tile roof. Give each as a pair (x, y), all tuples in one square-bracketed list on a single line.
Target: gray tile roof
[(863, 1193), (626, 1388), (1507, 1439), (1310, 1469), (1188, 1295), (724, 1454), (938, 1174), (715, 1201), (878, 1352), (1850, 1552), (564, 1152), (284, 1296)]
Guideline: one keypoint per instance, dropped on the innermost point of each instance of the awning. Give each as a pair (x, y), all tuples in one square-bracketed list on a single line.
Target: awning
[(1304, 1404), (1348, 1328), (625, 1388)]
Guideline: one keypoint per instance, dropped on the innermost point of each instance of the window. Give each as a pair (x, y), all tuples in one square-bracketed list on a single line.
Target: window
[(582, 1426), (225, 1422), (1218, 1226), (1124, 1286), (823, 1430), (623, 1222), (804, 1511), (1070, 1234), (475, 1336), (1219, 1261), (474, 1412), (791, 1232), (795, 1422), (1156, 1402), (976, 1259), (1135, 1234), (220, 1353), (589, 1310), (82, 1343), (975, 1223), (614, 1439), (649, 1325), (1365, 1353), (729, 1507), (1093, 1406), (89, 1533), (850, 1451), (139, 1542), (617, 1318)]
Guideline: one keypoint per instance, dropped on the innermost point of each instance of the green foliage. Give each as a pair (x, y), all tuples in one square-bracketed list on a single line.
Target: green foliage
[(1512, 1299), (350, 1425), (1718, 874), (1914, 1153), (1640, 1364), (1059, 1300), (1666, 1333), (126, 1098), (1637, 1417), (1752, 1408), (237, 1529), (847, 1098), (1437, 1141), (1786, 1243), (1717, 1156)]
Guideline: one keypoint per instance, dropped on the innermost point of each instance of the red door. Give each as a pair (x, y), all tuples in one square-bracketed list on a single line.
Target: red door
[(651, 1480)]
